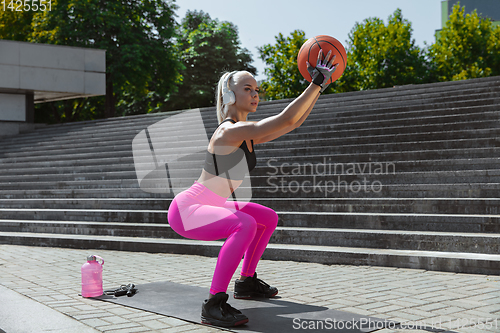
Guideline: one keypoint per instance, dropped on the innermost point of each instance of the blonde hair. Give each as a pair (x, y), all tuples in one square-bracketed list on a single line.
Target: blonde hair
[(220, 107)]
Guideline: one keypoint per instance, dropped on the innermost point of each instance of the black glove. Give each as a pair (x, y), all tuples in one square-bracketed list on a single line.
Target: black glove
[(128, 290), (323, 71)]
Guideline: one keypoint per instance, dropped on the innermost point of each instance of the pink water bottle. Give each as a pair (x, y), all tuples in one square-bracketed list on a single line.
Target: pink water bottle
[(92, 277)]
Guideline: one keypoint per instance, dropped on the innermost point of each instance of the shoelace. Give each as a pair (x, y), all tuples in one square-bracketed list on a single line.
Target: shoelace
[(227, 308), (260, 285)]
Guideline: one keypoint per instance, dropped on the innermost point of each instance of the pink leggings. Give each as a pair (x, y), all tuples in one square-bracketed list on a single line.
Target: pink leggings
[(199, 213)]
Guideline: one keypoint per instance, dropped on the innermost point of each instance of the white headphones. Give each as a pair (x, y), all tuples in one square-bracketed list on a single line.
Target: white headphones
[(228, 97)]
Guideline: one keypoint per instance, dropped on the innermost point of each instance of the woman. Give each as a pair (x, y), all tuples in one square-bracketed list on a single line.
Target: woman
[(202, 212)]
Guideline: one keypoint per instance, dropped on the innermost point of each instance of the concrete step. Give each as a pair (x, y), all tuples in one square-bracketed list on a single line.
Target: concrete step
[(473, 113), (446, 206), (310, 146), (80, 161), (466, 190), (270, 151), (76, 227), (400, 111), (103, 193), (276, 157), (389, 239), (333, 138), (24, 314), (88, 203), (463, 138), (390, 95), (381, 239), (275, 166), (306, 175), (466, 134), (316, 118), (122, 141), (442, 89), (276, 170), (430, 132), (262, 169), (438, 209), (357, 107), (468, 223), (92, 215), (274, 174), (449, 164), (446, 89), (300, 181), (387, 109), (49, 169), (375, 130), (409, 91), (454, 190), (296, 184), (430, 260), (464, 206)]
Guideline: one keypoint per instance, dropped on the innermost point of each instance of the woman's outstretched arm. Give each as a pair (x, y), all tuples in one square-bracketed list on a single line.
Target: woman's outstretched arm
[(288, 129), (306, 114), (303, 103), (292, 114), (246, 130)]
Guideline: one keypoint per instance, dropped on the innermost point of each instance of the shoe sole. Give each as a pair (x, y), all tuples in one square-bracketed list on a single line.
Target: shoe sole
[(215, 322), (253, 295)]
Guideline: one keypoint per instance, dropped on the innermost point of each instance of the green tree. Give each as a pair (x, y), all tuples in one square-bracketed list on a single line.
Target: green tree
[(207, 48), (283, 76), (141, 67), (381, 55), (467, 47), (15, 25)]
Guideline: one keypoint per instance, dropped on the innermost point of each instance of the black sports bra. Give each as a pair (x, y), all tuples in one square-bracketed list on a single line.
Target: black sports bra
[(228, 166)]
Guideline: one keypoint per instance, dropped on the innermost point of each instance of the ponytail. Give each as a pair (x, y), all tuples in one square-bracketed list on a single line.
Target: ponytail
[(220, 107)]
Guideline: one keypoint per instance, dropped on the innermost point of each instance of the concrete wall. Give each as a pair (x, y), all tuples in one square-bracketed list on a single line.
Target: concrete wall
[(485, 8), (35, 73), (12, 107), (53, 72)]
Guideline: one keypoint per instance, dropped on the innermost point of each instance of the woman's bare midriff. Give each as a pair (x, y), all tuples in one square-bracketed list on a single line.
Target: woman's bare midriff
[(216, 184), (220, 186)]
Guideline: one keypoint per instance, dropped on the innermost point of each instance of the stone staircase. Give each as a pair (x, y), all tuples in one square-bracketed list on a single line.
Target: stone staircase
[(415, 169)]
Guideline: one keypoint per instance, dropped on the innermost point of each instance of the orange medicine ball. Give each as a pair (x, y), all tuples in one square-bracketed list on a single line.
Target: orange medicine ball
[(309, 52)]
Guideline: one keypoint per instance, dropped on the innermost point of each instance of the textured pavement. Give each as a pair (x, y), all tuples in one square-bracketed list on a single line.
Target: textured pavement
[(424, 301)]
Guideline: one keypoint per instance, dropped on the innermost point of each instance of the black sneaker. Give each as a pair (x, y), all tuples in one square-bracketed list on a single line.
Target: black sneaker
[(216, 311), (253, 288)]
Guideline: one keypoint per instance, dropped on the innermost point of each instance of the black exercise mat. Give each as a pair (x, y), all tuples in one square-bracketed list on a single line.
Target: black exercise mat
[(267, 315)]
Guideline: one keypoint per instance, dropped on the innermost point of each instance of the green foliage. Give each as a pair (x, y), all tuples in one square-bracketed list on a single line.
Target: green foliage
[(141, 65), (70, 110), (153, 63), (467, 47), (206, 48), (15, 25), (383, 55), (283, 76), (378, 56)]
